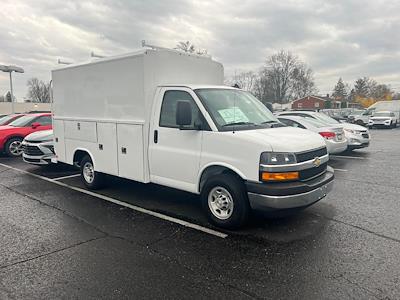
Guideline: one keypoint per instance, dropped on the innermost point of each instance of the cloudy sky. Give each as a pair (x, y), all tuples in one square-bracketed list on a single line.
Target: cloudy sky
[(347, 38)]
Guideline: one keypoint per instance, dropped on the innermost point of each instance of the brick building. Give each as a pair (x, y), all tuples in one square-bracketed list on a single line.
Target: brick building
[(315, 102)]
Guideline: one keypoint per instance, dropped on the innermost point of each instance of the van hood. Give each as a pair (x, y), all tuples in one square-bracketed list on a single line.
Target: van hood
[(284, 139), (39, 136)]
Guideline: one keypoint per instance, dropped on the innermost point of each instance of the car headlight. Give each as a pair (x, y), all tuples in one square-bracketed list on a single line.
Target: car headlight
[(277, 158), (349, 130)]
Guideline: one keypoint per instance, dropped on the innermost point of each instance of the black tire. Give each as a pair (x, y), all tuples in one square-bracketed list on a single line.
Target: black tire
[(9, 147), (97, 180), (360, 122), (235, 187)]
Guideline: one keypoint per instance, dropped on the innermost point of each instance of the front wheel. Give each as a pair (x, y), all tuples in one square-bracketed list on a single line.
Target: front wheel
[(225, 201), (13, 147), (93, 180)]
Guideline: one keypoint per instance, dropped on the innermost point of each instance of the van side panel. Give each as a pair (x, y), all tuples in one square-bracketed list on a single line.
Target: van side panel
[(130, 151), (82, 131), (106, 152), (59, 145)]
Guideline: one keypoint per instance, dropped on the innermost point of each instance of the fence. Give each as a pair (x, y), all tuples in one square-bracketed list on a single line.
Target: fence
[(19, 107)]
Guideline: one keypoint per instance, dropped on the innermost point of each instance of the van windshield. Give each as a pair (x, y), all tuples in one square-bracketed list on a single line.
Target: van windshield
[(235, 109)]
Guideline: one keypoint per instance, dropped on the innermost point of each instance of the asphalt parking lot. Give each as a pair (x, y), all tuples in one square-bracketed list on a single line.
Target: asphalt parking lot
[(134, 241)]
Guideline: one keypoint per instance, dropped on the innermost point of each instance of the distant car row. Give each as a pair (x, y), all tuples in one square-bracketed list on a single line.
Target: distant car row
[(338, 136)]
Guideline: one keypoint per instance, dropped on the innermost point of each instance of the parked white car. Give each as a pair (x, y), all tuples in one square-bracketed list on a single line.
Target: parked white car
[(38, 148), (383, 118), (334, 136), (357, 136)]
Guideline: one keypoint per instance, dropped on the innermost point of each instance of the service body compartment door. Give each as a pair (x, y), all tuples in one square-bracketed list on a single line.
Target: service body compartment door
[(107, 150), (130, 151), (81, 131), (59, 145)]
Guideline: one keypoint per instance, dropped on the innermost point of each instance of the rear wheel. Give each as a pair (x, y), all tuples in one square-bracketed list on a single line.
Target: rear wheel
[(13, 147), (225, 201), (360, 122), (93, 180)]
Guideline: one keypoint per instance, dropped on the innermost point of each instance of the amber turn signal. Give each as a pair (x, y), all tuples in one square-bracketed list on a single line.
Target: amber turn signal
[(266, 176)]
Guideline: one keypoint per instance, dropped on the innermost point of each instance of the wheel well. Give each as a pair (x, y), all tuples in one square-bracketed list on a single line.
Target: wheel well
[(79, 155), (215, 170)]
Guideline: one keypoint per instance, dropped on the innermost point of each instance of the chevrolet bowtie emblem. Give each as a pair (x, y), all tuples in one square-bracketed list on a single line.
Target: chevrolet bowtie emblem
[(317, 162)]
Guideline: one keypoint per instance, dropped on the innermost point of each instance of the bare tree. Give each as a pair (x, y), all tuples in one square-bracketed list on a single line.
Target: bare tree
[(2, 99), (38, 90), (285, 77), (366, 87), (188, 47), (245, 80)]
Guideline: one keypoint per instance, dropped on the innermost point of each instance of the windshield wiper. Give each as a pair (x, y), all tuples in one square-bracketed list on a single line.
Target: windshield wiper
[(273, 124), (269, 122), (238, 123)]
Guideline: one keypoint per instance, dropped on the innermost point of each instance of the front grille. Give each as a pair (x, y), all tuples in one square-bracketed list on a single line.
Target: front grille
[(32, 150), (32, 160), (305, 156), (310, 173)]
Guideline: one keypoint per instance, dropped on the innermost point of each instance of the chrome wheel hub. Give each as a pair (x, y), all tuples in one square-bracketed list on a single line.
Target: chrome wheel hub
[(15, 148), (88, 172), (220, 203)]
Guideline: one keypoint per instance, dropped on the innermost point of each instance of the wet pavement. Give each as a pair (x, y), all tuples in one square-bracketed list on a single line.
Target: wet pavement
[(57, 242)]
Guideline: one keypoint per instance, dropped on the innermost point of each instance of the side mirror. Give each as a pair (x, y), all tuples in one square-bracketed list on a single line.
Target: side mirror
[(35, 125), (183, 113)]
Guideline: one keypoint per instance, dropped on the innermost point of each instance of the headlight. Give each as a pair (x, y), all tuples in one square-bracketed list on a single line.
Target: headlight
[(349, 130), (277, 158)]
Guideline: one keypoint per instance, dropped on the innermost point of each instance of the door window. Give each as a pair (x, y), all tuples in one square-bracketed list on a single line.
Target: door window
[(169, 106), (43, 120)]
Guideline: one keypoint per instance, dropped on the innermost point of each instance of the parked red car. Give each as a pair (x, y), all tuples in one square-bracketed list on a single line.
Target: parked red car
[(7, 119), (12, 135)]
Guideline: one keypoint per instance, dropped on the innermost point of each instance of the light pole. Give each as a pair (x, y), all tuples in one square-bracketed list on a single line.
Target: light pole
[(10, 69)]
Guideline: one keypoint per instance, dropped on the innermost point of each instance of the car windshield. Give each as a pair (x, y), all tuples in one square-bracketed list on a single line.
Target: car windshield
[(325, 119), (6, 119), (23, 121), (235, 108), (382, 114)]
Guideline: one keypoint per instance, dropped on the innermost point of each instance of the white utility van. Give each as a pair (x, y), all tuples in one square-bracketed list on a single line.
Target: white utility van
[(164, 117)]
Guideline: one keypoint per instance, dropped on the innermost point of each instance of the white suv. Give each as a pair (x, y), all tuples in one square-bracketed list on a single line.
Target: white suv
[(383, 118)]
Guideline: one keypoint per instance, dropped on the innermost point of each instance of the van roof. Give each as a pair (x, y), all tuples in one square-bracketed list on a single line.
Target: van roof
[(200, 86)]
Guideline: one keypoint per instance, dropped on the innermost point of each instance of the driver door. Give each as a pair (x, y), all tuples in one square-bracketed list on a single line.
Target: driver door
[(174, 153)]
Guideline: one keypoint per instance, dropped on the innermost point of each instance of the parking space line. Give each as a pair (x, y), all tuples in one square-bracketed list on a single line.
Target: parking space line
[(127, 205), (66, 177), (347, 157), (340, 170)]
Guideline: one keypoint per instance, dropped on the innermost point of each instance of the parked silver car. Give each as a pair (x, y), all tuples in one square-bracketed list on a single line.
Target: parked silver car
[(334, 136), (38, 148)]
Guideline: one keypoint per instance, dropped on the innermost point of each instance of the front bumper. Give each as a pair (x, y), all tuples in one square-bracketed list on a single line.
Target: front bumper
[(386, 123), (43, 155), (278, 196)]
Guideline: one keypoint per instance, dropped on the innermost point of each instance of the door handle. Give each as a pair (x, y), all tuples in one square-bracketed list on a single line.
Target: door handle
[(155, 136)]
